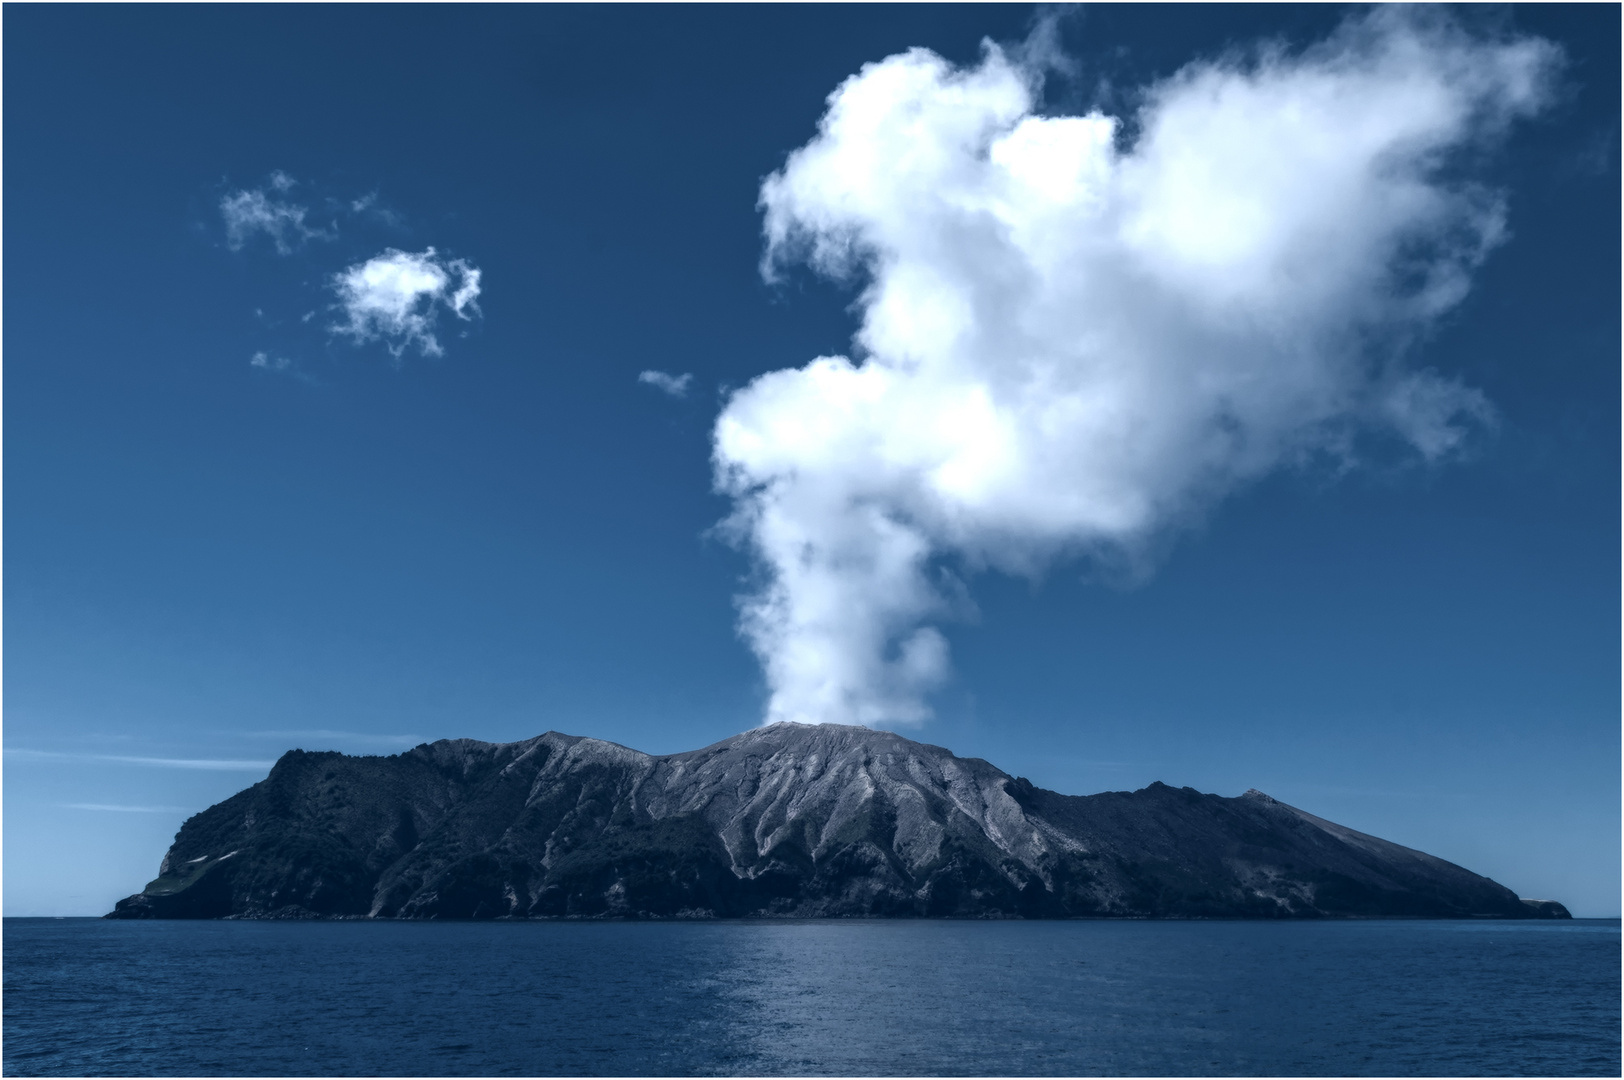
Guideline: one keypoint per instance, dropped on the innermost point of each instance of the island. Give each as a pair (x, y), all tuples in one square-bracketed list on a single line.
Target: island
[(784, 821)]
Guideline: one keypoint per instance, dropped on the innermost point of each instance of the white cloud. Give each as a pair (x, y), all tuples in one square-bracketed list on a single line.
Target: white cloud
[(370, 206), (206, 764), (328, 735), (209, 764), (266, 362), (281, 365), (253, 211), (1071, 344), (675, 385), (395, 297)]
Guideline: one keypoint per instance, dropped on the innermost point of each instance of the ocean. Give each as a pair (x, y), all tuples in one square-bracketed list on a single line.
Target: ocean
[(847, 997)]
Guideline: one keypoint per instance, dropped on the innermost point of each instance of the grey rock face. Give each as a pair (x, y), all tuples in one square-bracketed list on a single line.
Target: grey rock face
[(787, 820)]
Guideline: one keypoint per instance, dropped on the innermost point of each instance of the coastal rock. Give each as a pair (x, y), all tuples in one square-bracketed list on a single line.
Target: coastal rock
[(788, 821)]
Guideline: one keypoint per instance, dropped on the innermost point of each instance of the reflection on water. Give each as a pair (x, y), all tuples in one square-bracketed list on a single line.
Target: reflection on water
[(845, 998), (1169, 998)]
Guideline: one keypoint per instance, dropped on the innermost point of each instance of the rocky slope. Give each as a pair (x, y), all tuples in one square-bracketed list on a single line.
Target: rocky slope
[(785, 820)]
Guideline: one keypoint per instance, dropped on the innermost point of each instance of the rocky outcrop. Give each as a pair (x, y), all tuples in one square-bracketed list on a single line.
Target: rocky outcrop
[(786, 820)]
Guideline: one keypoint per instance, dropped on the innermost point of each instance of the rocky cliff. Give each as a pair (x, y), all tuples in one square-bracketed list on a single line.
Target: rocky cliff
[(786, 820)]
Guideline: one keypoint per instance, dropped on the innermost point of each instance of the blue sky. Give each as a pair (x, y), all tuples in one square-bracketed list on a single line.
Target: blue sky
[(458, 510)]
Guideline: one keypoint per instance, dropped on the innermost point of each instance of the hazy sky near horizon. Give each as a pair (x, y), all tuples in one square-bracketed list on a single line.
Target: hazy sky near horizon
[(383, 375)]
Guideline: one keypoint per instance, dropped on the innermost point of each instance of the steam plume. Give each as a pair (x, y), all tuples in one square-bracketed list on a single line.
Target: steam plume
[(1072, 342)]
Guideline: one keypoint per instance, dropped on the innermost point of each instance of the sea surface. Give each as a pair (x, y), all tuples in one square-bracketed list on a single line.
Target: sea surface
[(848, 997)]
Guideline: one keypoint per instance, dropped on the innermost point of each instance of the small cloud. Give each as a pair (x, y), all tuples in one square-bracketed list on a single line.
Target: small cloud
[(266, 362), (675, 385), (395, 297), (370, 206), (206, 764), (326, 735), (252, 211), (124, 809), (209, 764), (1434, 413), (281, 365)]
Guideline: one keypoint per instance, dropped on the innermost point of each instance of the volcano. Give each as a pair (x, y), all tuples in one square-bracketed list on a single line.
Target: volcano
[(803, 821)]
